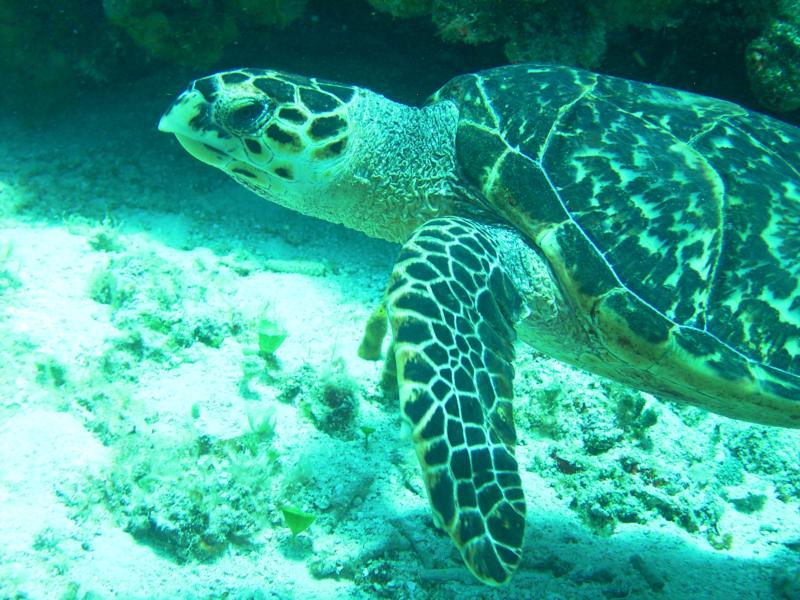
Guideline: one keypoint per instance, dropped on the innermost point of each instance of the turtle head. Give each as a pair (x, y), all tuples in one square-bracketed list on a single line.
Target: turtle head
[(283, 136), (332, 151)]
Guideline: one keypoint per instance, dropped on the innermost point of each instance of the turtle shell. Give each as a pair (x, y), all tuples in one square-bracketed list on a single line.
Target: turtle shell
[(670, 220)]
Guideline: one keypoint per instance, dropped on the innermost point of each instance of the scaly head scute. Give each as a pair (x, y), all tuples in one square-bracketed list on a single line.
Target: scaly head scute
[(277, 134)]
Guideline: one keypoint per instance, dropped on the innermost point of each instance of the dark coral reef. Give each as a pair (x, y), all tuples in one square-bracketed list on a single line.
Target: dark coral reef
[(746, 50), (773, 59)]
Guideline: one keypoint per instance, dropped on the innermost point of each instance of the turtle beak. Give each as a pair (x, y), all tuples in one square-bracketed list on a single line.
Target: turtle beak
[(181, 112), (188, 119)]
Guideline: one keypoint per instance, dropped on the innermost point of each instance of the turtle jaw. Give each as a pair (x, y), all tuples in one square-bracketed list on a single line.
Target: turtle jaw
[(202, 152)]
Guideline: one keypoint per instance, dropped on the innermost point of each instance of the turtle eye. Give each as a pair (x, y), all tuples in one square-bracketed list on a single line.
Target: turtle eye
[(246, 116)]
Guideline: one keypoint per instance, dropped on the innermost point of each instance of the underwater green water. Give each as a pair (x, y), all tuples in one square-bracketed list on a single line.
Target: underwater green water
[(184, 412)]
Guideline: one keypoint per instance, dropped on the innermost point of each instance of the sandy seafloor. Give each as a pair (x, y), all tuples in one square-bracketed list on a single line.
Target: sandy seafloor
[(131, 281)]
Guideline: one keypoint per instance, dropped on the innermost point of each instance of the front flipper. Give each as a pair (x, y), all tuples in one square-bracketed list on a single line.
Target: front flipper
[(452, 309)]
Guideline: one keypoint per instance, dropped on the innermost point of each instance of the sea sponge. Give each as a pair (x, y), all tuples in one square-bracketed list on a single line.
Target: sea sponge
[(195, 33), (188, 33), (555, 33), (646, 14), (773, 66), (266, 12), (403, 8)]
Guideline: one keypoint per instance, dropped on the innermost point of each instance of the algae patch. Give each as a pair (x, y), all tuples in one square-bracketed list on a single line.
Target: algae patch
[(192, 500)]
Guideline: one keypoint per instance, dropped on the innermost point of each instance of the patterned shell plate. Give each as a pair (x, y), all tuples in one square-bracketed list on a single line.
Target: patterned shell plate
[(681, 212)]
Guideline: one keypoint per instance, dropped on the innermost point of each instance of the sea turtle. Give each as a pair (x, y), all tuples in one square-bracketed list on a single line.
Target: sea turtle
[(646, 234)]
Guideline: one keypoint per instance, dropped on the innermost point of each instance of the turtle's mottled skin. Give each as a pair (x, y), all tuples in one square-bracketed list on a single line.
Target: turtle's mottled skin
[(642, 233)]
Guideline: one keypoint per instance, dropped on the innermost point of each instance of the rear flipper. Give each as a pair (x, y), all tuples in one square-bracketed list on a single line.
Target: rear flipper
[(452, 308)]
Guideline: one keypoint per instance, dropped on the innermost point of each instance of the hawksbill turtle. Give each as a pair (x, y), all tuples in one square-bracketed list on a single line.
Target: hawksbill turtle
[(642, 233)]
